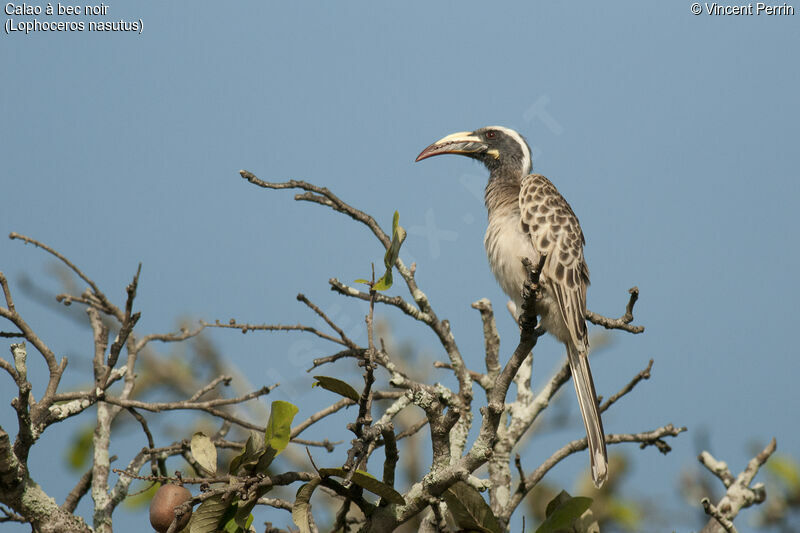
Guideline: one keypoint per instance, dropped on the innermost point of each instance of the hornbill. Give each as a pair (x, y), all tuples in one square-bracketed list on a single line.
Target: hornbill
[(529, 217)]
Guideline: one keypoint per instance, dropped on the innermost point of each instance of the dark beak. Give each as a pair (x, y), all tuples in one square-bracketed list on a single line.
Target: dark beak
[(463, 142)]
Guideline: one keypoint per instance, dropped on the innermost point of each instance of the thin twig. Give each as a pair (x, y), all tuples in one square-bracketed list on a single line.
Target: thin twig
[(644, 374), (184, 334), (105, 302), (622, 322), (717, 515), (302, 298), (395, 301), (225, 380), (645, 438), (273, 327), (350, 352), (78, 492)]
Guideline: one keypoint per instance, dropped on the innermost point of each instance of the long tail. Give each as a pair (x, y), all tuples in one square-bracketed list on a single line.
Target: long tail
[(587, 400)]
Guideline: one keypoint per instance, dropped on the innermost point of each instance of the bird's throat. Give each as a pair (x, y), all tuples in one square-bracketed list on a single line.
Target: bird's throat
[(502, 192)]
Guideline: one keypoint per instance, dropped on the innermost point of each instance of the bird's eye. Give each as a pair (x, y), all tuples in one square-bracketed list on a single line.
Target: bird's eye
[(491, 134)]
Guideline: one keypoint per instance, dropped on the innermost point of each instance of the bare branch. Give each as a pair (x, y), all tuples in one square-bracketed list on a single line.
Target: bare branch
[(718, 468), (490, 336), (7, 293), (302, 298), (521, 473), (392, 455), (358, 454), (302, 426), (644, 374), (448, 412), (27, 434), (10, 516), (207, 405), (395, 301), (78, 492), (350, 352), (739, 495), (622, 322), (717, 515), (5, 365), (27, 499), (338, 406), (645, 438), (129, 321), (529, 335), (56, 369), (328, 445), (232, 324), (10, 472), (481, 379), (225, 380), (413, 430), (325, 197), (107, 305), (169, 337), (448, 472), (277, 503)]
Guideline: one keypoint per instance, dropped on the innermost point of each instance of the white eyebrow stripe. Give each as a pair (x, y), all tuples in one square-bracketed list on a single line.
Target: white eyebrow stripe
[(526, 151)]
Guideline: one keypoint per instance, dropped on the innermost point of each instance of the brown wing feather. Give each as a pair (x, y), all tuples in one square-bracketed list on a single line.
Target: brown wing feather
[(554, 230)]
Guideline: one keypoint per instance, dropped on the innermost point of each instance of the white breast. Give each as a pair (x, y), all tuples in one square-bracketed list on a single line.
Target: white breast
[(506, 245)]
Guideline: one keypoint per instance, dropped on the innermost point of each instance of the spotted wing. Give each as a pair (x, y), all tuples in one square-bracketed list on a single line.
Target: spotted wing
[(554, 230)]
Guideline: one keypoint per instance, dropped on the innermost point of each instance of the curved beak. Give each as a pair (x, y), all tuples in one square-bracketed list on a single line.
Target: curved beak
[(463, 142)]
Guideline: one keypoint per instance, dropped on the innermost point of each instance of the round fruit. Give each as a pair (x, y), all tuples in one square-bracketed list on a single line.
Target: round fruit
[(162, 507)]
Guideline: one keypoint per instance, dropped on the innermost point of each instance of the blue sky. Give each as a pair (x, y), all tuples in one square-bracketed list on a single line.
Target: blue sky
[(673, 136)]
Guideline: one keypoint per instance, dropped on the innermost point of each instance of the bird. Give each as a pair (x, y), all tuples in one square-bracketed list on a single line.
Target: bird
[(528, 218)]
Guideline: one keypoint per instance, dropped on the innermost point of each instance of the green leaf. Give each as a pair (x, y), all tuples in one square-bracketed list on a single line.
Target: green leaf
[(385, 282), (558, 499), (209, 515), (230, 525), (265, 460), (259, 451), (204, 452), (365, 281), (243, 517), (301, 509), (338, 386), (563, 511), (398, 236), (279, 426), (470, 511), (276, 437), (229, 521), (253, 449), (368, 482), (390, 257)]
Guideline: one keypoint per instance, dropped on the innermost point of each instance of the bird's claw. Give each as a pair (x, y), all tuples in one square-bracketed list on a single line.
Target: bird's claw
[(531, 287)]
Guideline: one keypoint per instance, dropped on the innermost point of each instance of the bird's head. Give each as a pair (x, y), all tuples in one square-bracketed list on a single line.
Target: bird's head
[(499, 148)]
